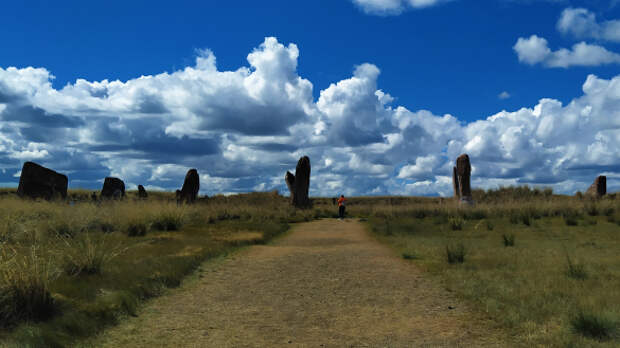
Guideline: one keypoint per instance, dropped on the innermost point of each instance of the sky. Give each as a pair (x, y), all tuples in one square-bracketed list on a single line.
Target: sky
[(382, 95)]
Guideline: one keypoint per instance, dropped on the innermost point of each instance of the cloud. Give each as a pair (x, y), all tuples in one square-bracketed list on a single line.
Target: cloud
[(582, 24), (535, 50), (394, 7), (244, 128), (503, 95)]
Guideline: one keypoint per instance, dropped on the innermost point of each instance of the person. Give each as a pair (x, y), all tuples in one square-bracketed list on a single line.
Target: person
[(341, 201)]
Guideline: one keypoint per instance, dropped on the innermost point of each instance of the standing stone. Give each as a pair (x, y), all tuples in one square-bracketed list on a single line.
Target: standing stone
[(299, 184), (302, 183), (191, 186), (37, 181), (113, 188), (461, 177), (599, 187), (289, 178), (177, 195), (142, 192), (455, 184)]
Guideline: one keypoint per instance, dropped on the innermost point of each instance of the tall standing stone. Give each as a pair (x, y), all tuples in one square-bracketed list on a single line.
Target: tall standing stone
[(299, 184), (37, 181), (599, 187), (191, 186), (302, 182), (461, 177)]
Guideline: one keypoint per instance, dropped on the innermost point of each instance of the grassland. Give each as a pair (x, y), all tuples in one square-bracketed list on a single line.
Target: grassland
[(69, 269), (545, 268)]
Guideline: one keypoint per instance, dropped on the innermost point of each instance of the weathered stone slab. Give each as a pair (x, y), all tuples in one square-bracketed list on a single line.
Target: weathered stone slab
[(37, 181), (113, 188), (599, 187)]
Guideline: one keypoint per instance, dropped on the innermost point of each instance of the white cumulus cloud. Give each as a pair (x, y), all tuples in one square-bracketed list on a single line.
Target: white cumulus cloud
[(535, 50), (244, 128), (394, 7), (582, 24)]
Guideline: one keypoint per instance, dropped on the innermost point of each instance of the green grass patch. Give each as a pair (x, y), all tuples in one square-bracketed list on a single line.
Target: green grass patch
[(532, 292), (69, 271)]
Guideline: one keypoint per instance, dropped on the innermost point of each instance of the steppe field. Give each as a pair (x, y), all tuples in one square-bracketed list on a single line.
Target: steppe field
[(520, 267)]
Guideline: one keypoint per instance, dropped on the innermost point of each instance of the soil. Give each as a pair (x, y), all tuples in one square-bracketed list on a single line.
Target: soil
[(327, 283)]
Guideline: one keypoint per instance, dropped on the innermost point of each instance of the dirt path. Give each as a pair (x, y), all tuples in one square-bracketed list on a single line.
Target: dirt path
[(326, 284)]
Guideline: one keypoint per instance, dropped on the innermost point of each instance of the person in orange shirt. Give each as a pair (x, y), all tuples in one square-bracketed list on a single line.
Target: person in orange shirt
[(341, 201)]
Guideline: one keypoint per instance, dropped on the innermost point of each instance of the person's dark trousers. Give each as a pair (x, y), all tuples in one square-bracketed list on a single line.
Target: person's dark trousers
[(341, 211)]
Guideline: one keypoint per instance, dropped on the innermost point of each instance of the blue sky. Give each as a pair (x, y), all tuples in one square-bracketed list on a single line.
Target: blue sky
[(432, 58)]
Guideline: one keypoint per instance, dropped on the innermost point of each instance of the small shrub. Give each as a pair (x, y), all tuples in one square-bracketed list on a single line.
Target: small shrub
[(456, 223), (608, 211), (592, 325), (456, 253), (525, 218), (509, 240), (574, 270), (570, 220), (99, 225), (136, 228), (490, 226), (410, 256)]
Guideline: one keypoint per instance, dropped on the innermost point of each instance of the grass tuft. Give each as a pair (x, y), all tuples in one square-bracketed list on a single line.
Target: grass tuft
[(509, 240), (410, 256), (570, 220), (24, 286), (167, 221), (456, 223), (597, 326), (87, 254), (575, 270), (136, 228), (455, 253)]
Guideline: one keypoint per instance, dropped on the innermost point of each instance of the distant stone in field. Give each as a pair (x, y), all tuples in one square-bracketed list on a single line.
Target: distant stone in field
[(461, 177), (142, 192), (289, 178), (299, 184), (455, 184), (113, 188), (302, 183), (37, 181), (190, 188), (599, 187)]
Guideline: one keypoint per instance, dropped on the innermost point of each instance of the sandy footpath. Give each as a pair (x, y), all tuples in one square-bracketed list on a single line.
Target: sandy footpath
[(327, 283)]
